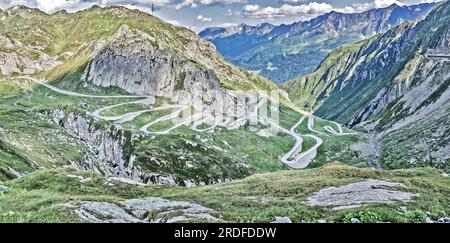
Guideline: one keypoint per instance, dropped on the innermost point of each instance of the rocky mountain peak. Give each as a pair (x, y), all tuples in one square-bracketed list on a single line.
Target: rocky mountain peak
[(23, 11), (394, 5)]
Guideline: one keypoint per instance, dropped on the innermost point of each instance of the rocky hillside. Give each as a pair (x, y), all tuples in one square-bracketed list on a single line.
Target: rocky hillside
[(399, 80), (63, 45), (284, 52)]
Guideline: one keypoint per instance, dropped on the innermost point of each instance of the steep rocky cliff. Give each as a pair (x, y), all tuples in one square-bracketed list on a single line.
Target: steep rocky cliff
[(106, 148), (116, 152), (127, 61)]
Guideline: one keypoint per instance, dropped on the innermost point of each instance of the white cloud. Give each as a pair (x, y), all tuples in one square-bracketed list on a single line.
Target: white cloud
[(293, 1), (252, 8), (309, 9), (196, 3), (361, 7), (51, 5), (174, 22), (228, 25), (202, 18)]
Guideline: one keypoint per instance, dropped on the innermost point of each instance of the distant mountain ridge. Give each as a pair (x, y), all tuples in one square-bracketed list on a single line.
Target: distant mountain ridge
[(284, 52)]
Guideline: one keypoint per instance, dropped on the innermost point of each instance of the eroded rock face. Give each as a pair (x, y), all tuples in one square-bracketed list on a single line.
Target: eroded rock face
[(131, 61), (361, 193), (282, 220), (16, 58), (106, 150), (19, 63), (146, 210)]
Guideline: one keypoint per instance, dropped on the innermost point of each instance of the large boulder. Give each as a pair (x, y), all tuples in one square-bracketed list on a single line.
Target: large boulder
[(361, 193)]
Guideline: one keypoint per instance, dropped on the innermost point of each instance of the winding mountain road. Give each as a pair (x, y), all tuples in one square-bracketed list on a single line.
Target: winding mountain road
[(311, 126), (295, 158), (340, 132), (70, 93), (146, 101)]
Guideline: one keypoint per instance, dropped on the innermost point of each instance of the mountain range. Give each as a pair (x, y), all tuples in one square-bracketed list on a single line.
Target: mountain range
[(284, 52), (398, 82)]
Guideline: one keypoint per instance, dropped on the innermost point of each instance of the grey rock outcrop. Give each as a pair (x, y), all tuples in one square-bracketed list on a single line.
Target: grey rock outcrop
[(145, 210), (444, 220), (282, 220), (106, 149), (18, 63), (354, 221), (129, 61), (361, 193), (16, 58)]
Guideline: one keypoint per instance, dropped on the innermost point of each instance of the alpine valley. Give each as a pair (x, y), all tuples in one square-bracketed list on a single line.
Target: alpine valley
[(285, 52), (111, 115)]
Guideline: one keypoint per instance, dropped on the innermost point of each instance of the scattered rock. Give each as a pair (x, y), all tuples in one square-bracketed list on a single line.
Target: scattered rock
[(444, 220), (262, 199), (3, 188), (321, 221), (125, 181), (361, 193), (429, 220), (145, 210), (282, 220), (106, 150), (23, 63), (80, 178), (403, 210), (15, 172), (102, 212), (354, 221)]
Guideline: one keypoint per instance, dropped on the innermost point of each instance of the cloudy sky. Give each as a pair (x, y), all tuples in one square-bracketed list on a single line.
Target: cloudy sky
[(198, 14)]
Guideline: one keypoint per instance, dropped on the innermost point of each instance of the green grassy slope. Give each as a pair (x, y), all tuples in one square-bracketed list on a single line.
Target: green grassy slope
[(309, 91), (27, 127), (259, 198)]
